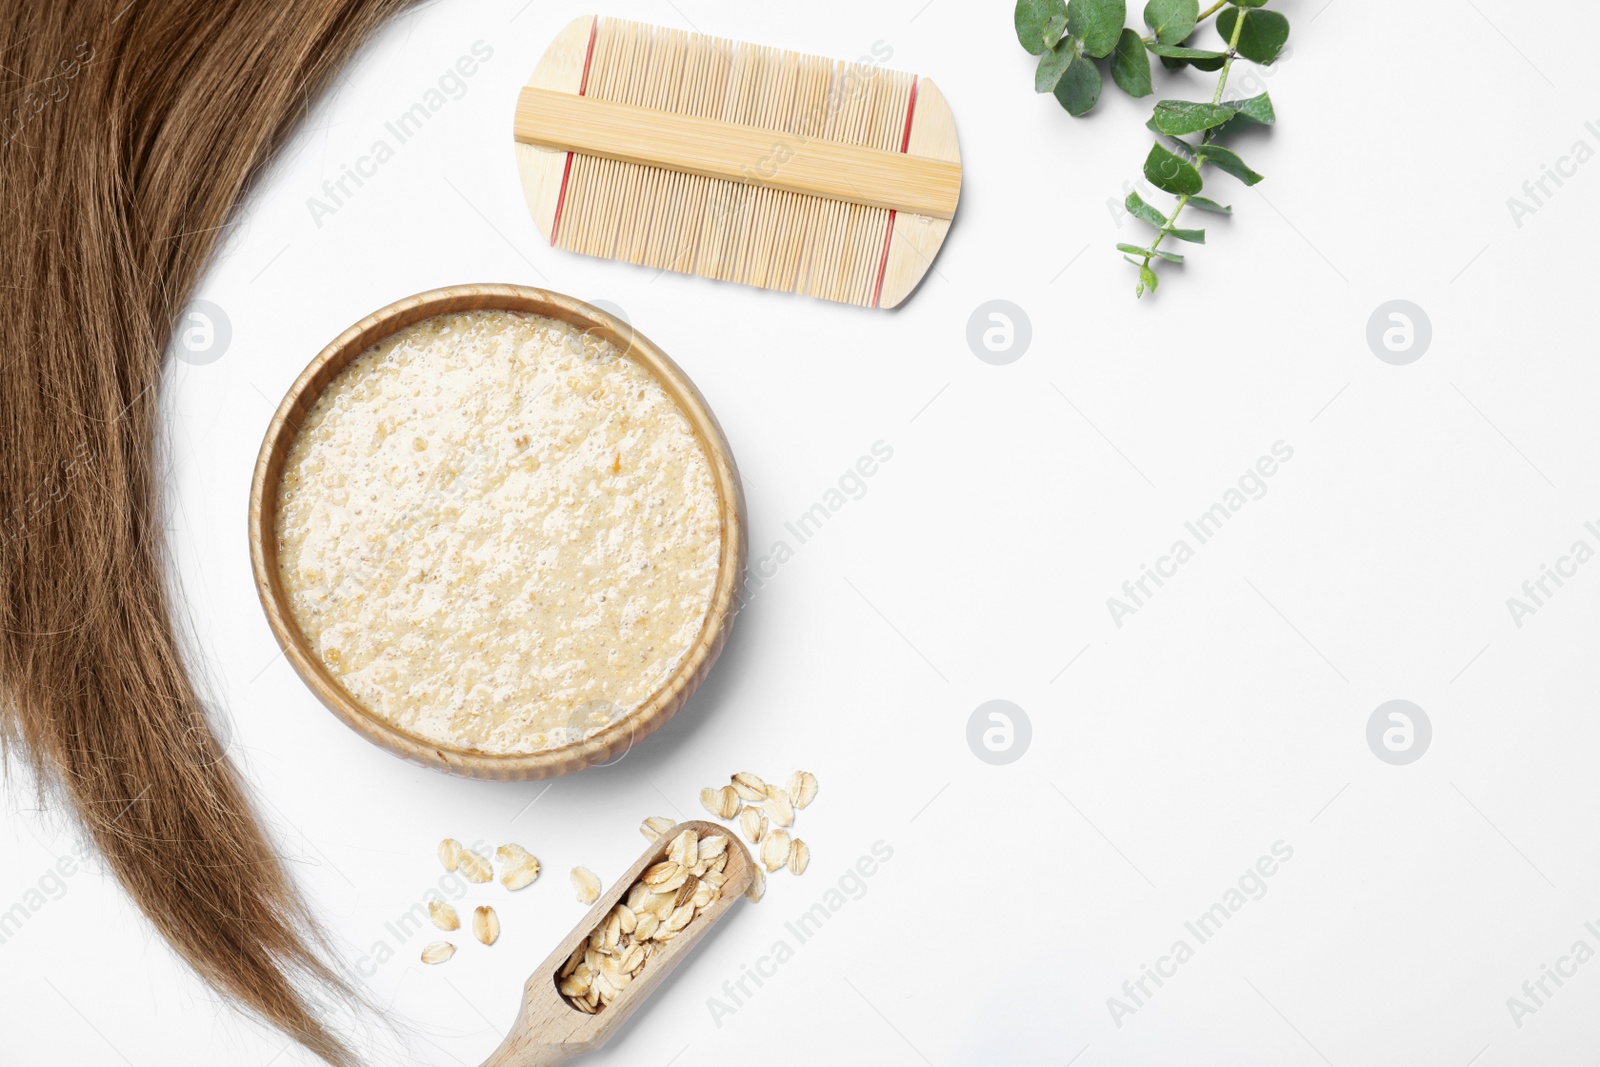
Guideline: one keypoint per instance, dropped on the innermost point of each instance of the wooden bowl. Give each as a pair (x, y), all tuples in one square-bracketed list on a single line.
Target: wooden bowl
[(616, 739)]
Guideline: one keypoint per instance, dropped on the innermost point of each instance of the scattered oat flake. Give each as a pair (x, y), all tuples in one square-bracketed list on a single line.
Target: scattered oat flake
[(711, 800), (438, 952), (753, 823), (728, 802), (511, 851), (779, 808), (474, 866), (750, 787), (802, 789), (775, 850), (443, 915), (799, 856), (519, 866), (655, 826), (758, 885), (450, 853), (485, 925), (587, 883)]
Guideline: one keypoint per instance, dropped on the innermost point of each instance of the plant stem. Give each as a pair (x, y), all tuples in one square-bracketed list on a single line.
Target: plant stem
[(1222, 83), (1183, 202), (1227, 64)]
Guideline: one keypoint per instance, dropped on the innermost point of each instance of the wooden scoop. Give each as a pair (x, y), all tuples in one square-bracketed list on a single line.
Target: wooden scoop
[(550, 1031)]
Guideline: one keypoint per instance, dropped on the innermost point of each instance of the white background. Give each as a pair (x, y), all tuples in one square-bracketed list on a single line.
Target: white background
[(1227, 715)]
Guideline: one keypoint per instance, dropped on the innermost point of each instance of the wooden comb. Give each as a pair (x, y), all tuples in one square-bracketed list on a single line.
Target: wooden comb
[(737, 162)]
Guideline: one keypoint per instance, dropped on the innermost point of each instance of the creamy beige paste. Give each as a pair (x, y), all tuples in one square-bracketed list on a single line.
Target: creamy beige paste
[(500, 533)]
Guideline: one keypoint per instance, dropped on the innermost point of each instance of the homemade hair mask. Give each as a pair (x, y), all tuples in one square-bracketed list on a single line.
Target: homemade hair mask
[(504, 537)]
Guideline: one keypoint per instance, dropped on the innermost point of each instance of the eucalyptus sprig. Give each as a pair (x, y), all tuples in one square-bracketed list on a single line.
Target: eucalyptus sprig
[(1072, 38)]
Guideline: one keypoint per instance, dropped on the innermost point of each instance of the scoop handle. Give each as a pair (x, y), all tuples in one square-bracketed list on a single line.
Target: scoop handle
[(542, 1035), (517, 1051)]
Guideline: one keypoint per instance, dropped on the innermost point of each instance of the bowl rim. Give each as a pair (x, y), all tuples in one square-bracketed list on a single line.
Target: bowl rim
[(615, 740)]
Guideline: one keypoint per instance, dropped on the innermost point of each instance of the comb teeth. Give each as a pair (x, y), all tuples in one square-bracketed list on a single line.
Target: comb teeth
[(727, 230)]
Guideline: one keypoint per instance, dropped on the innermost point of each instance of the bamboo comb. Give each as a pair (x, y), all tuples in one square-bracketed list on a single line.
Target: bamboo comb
[(732, 161)]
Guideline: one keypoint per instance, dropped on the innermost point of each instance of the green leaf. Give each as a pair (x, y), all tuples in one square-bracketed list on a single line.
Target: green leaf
[(1212, 206), (1177, 52), (1264, 34), (1174, 57), (1054, 30), (1257, 109), (1248, 3), (1194, 237), (1178, 117), (1052, 65), (1229, 162), (1170, 257), (1031, 18), (1130, 65), (1097, 23), (1079, 88), (1179, 143), (1172, 21), (1141, 210), (1148, 279), (1171, 173), (1184, 148)]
